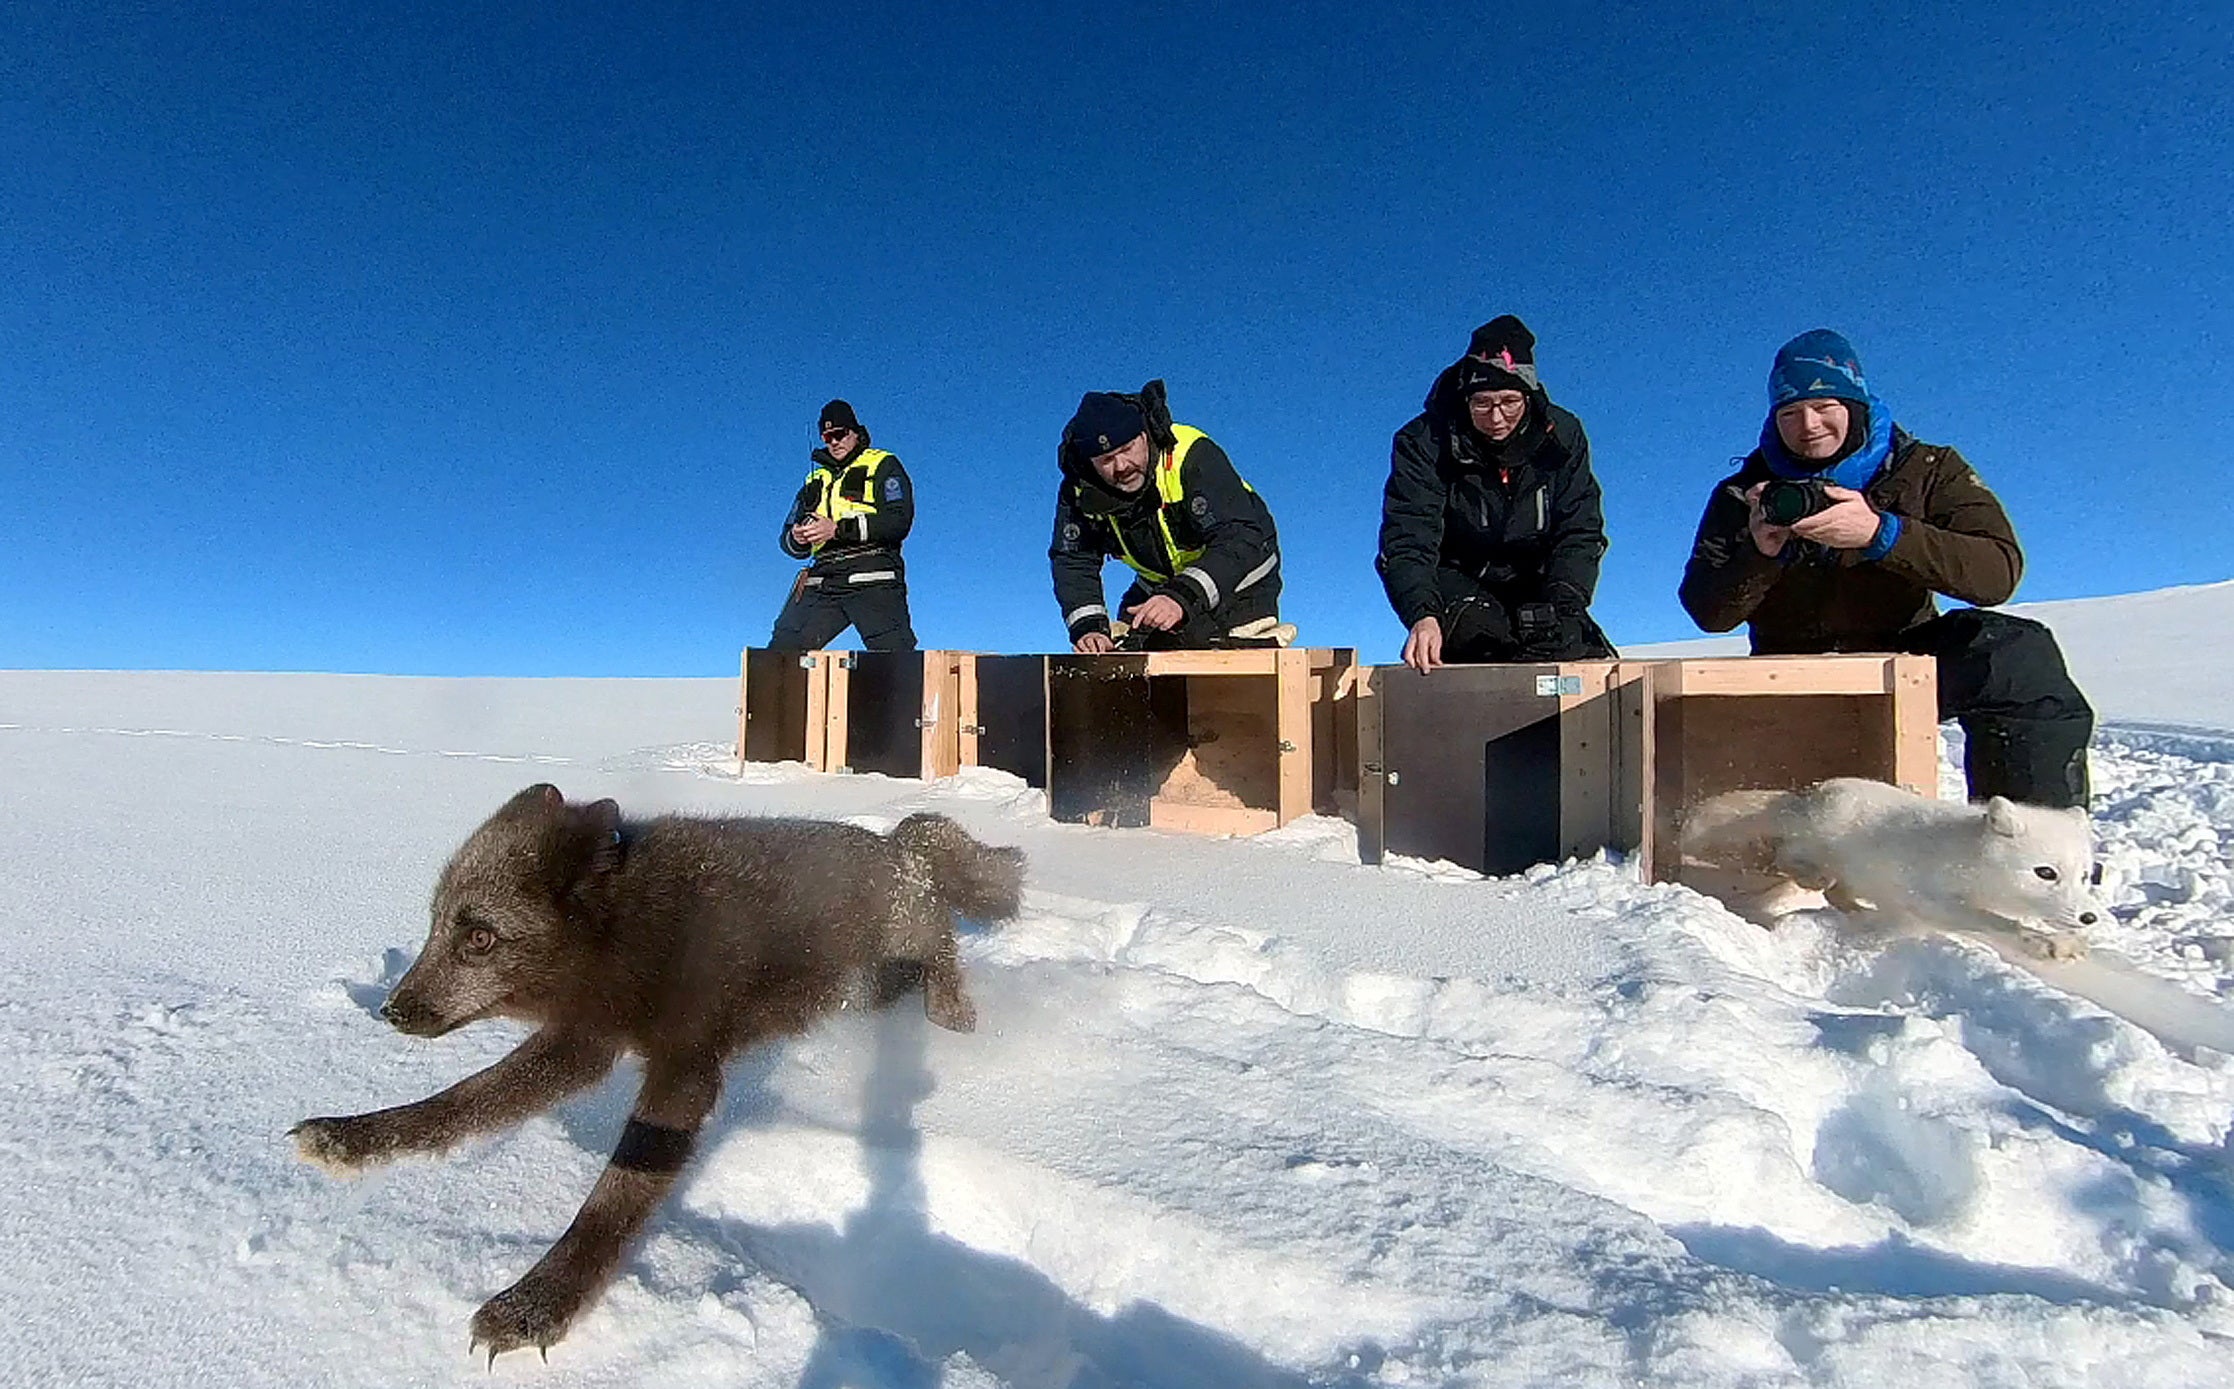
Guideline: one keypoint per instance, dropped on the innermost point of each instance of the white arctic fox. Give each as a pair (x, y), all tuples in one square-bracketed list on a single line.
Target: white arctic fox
[(1993, 866)]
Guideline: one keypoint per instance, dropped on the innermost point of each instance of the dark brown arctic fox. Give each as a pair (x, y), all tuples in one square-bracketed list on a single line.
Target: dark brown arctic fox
[(684, 940)]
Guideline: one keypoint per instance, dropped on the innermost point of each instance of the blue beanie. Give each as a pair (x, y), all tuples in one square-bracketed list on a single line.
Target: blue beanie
[(1817, 365)]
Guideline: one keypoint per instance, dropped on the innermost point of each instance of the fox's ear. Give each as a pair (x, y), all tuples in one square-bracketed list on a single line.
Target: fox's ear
[(604, 818), (2001, 817), (540, 797)]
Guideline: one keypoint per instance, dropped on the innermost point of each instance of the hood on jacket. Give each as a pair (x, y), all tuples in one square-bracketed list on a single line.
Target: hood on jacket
[(1075, 462)]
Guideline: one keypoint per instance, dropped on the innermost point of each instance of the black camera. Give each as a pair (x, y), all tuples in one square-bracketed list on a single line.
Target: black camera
[(1786, 500)]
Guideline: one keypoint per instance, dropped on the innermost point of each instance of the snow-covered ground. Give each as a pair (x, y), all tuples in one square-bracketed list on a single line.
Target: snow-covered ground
[(1238, 1113)]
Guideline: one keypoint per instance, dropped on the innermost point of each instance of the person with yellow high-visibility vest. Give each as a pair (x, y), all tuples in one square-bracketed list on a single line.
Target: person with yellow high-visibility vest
[(1164, 499), (847, 522)]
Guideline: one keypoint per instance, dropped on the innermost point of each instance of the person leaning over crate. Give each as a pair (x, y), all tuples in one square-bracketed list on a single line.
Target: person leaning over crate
[(1491, 528), (847, 522), (1165, 499), (1833, 535)]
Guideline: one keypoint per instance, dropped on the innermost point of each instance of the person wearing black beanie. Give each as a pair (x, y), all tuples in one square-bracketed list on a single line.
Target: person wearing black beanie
[(1165, 500), (847, 522), (1491, 523)]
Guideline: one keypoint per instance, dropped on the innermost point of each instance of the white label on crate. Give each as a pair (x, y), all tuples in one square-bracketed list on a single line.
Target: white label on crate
[(1552, 686)]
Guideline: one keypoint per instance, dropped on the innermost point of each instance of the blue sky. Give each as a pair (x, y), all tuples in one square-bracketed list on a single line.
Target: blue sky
[(478, 339)]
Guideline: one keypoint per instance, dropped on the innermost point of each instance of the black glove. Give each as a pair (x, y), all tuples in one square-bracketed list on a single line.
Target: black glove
[(1477, 629), (1536, 625)]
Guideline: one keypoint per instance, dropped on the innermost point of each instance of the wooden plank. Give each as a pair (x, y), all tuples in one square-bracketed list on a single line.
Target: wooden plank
[(1334, 753), (1365, 716), (826, 713), (966, 714), (1916, 724), (1293, 729), (1789, 675), (745, 700), (942, 713), (1630, 817), (1586, 760), (1254, 661), (1210, 819)]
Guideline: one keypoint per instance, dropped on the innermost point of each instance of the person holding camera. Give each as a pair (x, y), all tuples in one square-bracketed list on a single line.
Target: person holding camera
[(1835, 533), (1165, 499), (1491, 525), (847, 522)]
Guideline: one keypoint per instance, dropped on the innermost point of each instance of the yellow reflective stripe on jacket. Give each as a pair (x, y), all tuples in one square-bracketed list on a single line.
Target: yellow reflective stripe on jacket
[(831, 502), (1169, 493)]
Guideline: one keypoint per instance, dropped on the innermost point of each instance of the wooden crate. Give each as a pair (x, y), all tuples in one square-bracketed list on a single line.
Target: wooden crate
[(1499, 767), (894, 712), (783, 707), (1781, 723), (1206, 742), (1002, 708)]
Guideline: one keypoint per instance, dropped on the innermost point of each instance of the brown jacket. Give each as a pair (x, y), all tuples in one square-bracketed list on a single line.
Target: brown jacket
[(1954, 539)]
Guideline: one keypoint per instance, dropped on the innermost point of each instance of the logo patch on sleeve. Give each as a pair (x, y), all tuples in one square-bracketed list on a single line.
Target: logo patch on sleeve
[(891, 489)]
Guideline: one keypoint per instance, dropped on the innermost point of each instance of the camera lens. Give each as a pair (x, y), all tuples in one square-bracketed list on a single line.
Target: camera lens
[(1784, 501)]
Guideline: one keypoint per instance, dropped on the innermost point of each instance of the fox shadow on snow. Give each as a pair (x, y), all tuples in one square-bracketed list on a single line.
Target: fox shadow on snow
[(892, 1298)]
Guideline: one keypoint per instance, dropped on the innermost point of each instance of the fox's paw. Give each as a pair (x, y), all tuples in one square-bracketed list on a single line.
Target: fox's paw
[(343, 1146), (2057, 945), (954, 1011), (532, 1312)]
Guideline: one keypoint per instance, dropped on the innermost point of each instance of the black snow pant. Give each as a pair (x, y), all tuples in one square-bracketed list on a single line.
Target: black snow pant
[(822, 606), (2025, 725)]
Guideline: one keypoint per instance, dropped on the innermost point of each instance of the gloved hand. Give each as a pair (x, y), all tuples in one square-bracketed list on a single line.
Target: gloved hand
[(1536, 625), (1477, 629)]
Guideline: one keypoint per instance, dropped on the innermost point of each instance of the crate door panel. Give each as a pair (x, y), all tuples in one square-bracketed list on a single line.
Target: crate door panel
[(1105, 738), (1472, 758), (884, 703), (776, 706), (1011, 715)]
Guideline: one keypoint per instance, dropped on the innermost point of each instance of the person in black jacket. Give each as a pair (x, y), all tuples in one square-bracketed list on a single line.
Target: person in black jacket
[(1166, 500), (848, 521), (1491, 528)]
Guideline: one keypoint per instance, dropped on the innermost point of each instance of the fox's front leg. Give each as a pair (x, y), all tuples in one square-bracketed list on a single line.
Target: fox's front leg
[(537, 1310), (538, 1073)]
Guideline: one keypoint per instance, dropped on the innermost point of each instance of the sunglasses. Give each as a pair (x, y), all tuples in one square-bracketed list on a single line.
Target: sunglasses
[(831, 436)]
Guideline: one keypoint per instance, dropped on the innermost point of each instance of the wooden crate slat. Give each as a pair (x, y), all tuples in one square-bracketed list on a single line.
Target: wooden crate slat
[(1774, 675)]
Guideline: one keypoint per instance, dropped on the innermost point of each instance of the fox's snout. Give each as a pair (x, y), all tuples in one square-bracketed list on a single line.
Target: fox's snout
[(410, 1016)]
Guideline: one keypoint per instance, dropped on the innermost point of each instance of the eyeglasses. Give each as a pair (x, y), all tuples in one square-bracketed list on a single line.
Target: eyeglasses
[(831, 436), (1494, 405)]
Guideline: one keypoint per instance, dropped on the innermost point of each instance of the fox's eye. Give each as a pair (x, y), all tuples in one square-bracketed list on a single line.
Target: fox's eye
[(2095, 877), (480, 940), (2044, 873)]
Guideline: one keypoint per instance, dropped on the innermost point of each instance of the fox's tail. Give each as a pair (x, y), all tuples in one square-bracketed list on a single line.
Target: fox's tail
[(981, 881), (1737, 829)]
